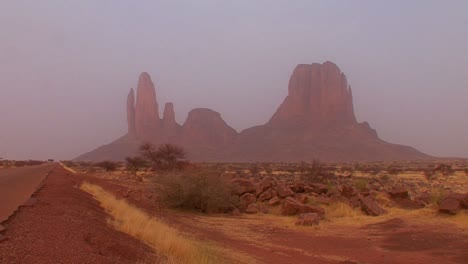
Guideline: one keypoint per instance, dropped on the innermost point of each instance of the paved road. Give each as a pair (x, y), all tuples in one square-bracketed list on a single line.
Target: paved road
[(17, 185)]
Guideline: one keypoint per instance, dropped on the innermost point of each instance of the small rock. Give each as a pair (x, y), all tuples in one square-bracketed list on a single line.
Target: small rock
[(274, 201), (450, 205), (252, 209), (235, 212), (284, 191), (267, 195), (246, 199), (301, 198), (240, 187), (399, 192), (370, 207)]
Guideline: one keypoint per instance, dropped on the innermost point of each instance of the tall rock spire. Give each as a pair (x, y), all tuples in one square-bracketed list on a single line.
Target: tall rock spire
[(318, 93), (170, 128), (147, 119), (131, 113)]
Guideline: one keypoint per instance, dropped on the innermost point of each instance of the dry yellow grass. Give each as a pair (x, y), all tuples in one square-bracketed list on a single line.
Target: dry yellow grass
[(163, 238), (67, 168)]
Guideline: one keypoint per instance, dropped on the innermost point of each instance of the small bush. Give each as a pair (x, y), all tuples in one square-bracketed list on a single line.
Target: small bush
[(108, 165), (361, 184), (203, 191), (438, 195), (393, 171), (429, 174), (134, 164)]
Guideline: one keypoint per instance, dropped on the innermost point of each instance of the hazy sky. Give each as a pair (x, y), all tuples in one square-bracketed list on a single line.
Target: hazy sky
[(66, 66)]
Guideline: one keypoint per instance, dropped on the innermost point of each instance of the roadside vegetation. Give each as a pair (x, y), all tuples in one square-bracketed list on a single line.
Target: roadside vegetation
[(166, 240)]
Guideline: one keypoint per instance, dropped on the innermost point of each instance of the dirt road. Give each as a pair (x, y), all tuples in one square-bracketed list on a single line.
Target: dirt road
[(67, 225), (18, 184)]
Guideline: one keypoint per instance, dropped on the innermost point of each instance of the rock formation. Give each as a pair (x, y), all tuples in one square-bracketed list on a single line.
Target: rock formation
[(315, 121), (206, 127), (170, 128), (146, 109), (318, 93), (131, 113)]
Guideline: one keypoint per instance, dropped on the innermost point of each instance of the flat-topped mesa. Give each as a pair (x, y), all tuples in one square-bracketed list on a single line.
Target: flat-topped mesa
[(170, 128), (131, 113), (317, 94), (147, 119), (206, 127)]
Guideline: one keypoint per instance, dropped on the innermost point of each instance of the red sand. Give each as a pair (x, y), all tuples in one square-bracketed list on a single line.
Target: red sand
[(66, 225)]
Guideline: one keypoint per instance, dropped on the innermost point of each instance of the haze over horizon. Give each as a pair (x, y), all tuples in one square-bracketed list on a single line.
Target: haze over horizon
[(67, 67)]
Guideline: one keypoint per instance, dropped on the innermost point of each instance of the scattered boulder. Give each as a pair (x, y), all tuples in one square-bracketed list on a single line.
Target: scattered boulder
[(370, 207), (274, 201), (348, 191), (263, 185), (284, 191), (240, 186), (301, 197), (399, 193), (450, 205), (267, 195), (235, 212), (308, 219), (298, 187), (291, 207), (322, 200), (319, 188), (246, 199), (252, 209)]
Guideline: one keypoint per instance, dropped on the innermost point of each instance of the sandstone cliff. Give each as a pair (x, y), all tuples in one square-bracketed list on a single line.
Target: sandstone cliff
[(315, 121)]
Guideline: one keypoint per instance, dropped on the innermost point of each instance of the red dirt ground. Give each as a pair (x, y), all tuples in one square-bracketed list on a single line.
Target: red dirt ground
[(388, 242), (67, 225)]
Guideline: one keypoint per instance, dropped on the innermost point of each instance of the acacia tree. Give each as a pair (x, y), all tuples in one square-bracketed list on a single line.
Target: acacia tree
[(166, 157)]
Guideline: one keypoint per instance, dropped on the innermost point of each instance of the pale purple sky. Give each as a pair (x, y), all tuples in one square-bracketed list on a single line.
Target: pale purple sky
[(66, 66)]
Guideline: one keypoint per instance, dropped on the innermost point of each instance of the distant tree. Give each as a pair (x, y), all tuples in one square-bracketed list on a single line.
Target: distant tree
[(166, 157), (134, 164), (108, 165), (313, 172)]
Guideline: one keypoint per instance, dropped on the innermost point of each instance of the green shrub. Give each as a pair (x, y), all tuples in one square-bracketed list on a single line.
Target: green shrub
[(108, 165), (166, 157), (361, 184), (201, 190), (438, 195)]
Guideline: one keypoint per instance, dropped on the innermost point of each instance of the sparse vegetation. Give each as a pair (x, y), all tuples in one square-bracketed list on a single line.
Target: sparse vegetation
[(361, 184), (134, 164), (159, 235), (313, 172), (429, 174), (201, 190), (108, 165), (438, 195), (166, 157)]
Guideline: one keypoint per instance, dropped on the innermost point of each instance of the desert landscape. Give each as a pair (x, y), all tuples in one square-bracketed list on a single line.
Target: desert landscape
[(110, 212), (234, 132)]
